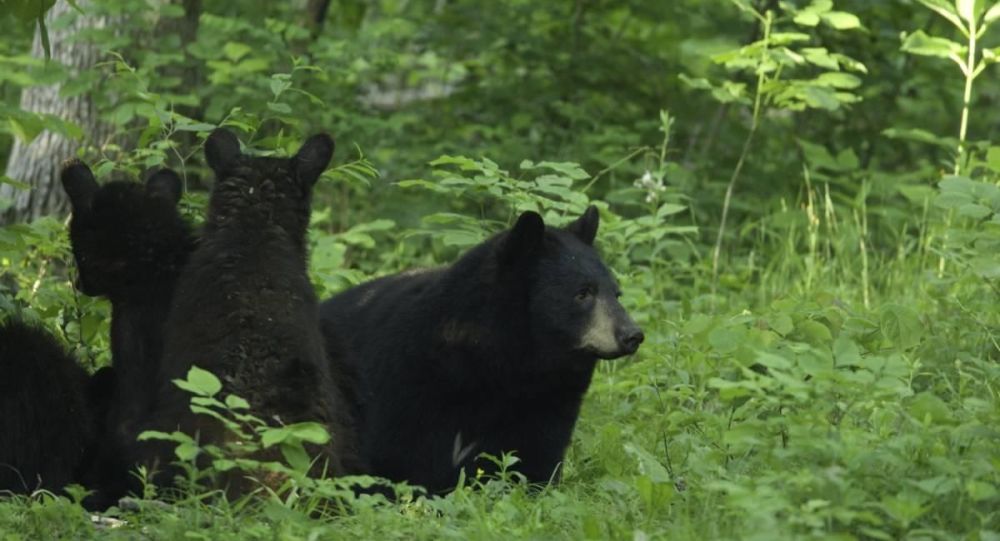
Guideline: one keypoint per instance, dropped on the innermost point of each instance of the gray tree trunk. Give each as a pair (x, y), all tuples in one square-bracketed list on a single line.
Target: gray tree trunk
[(37, 163)]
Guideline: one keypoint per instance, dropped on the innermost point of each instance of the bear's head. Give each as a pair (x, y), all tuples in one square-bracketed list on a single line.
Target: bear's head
[(572, 298), (127, 237), (264, 190)]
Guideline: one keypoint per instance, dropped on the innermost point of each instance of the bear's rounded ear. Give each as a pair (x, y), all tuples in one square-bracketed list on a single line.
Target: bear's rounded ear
[(524, 238), (311, 160), (222, 149), (79, 183), (585, 227), (165, 184)]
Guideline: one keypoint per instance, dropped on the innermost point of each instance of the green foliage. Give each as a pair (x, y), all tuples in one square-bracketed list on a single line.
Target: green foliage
[(836, 378)]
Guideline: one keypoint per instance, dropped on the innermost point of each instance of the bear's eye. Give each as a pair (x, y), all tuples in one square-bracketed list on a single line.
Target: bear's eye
[(585, 293)]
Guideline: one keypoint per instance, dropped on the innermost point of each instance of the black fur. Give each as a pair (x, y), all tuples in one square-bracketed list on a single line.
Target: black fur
[(130, 244), (482, 356), (46, 428), (244, 308)]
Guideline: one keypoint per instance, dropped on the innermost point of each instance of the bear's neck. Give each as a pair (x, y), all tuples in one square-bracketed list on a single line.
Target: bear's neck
[(137, 337)]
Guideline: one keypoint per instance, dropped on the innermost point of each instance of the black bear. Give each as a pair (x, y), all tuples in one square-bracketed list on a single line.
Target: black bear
[(130, 243), (46, 427), (244, 307), (488, 355)]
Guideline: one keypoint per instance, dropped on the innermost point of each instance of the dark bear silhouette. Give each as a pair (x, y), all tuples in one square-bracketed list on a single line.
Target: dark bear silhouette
[(488, 355), (46, 427), (130, 244), (244, 308)]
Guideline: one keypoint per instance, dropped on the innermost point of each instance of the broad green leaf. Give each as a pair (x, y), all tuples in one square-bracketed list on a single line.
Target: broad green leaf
[(235, 51), (669, 209), (186, 451), (296, 457), (839, 80), (974, 211), (570, 169), (309, 432), (928, 406), (236, 403), (200, 382), (806, 18), (919, 135), (648, 465), (841, 20), (993, 158), (820, 57), (968, 10), (814, 332), (900, 325), (946, 10), (921, 44), (993, 14)]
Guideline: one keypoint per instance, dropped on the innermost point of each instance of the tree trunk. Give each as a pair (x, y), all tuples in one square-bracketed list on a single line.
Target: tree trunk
[(37, 163)]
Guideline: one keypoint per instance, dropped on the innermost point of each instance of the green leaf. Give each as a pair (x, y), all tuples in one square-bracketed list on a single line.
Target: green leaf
[(570, 169), (841, 20), (296, 457), (974, 211), (236, 403), (4, 179), (993, 159), (900, 325), (186, 451), (806, 18), (669, 209), (200, 382), (309, 432), (820, 57), (968, 10), (921, 136), (235, 51), (648, 465), (781, 324), (920, 43), (993, 14), (271, 435), (927, 406), (838, 80), (946, 10), (280, 108)]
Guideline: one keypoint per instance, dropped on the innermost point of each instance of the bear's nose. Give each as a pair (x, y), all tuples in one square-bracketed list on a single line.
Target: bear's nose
[(631, 339)]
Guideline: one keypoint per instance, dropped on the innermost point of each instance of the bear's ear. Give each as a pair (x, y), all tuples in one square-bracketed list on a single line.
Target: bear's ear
[(222, 149), (313, 157), (79, 183), (585, 227), (524, 238), (165, 184)]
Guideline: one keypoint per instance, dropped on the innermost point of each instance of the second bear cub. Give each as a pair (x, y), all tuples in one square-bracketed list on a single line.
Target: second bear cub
[(244, 307)]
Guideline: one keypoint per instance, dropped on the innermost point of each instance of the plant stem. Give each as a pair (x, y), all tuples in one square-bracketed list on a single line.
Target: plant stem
[(970, 76), (969, 70), (755, 122)]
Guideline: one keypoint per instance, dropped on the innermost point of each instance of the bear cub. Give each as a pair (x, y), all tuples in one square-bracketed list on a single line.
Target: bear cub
[(244, 307), (130, 243), (46, 429), (491, 354)]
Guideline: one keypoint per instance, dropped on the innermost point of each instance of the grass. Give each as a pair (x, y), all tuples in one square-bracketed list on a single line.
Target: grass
[(803, 415)]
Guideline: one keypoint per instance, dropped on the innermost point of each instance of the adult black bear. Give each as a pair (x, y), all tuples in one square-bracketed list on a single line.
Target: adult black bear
[(130, 244), (244, 308), (490, 354), (46, 426)]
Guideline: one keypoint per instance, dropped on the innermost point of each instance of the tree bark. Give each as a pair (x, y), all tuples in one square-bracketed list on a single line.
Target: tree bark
[(37, 163)]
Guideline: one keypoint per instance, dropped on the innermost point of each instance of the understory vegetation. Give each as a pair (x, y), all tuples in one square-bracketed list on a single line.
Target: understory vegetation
[(801, 200)]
